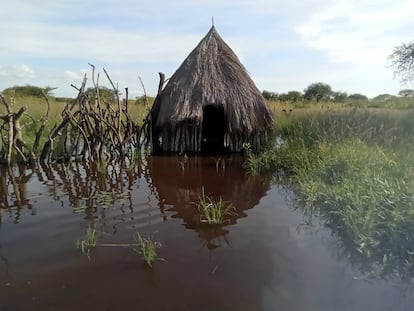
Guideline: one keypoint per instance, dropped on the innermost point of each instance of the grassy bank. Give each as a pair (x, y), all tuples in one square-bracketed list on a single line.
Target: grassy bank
[(355, 168)]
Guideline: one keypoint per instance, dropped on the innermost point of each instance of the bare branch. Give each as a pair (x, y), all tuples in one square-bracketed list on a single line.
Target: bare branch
[(6, 103), (43, 122)]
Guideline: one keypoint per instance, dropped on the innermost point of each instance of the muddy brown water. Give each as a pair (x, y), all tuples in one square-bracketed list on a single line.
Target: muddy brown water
[(264, 258)]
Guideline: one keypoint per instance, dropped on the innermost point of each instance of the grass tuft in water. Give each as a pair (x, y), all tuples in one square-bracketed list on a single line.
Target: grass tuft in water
[(147, 247), (214, 212), (89, 242)]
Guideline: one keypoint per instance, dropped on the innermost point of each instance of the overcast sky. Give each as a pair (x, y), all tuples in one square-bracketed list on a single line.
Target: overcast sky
[(285, 45)]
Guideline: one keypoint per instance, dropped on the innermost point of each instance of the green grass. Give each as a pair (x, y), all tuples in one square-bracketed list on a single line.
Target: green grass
[(147, 247), (354, 168), (89, 242), (214, 212)]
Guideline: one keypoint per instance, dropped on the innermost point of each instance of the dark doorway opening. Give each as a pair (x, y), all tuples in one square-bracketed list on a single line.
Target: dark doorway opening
[(214, 129)]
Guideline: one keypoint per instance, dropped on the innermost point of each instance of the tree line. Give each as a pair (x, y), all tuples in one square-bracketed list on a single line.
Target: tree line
[(322, 92), (105, 93), (402, 60)]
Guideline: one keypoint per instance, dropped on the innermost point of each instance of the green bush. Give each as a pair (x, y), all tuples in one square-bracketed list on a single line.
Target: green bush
[(28, 90)]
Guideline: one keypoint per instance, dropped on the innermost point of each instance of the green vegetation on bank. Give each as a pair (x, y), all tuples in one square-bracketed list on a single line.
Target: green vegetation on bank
[(355, 168)]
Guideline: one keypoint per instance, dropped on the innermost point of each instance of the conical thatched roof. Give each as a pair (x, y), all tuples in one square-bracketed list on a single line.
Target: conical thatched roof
[(213, 75)]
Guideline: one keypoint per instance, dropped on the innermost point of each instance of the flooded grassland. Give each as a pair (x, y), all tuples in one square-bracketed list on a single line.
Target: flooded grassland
[(268, 255)]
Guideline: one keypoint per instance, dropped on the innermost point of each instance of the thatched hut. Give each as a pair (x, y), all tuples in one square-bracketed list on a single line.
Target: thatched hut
[(210, 104)]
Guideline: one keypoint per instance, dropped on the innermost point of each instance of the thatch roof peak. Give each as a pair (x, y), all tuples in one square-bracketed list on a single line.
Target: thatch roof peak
[(212, 74)]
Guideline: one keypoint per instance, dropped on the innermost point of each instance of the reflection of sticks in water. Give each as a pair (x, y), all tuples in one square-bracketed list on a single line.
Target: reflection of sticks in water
[(84, 180), (3, 189), (15, 186), (18, 193), (6, 264), (182, 163), (220, 163)]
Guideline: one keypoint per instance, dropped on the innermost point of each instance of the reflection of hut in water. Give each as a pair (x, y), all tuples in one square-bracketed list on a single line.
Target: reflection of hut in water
[(178, 182), (210, 104)]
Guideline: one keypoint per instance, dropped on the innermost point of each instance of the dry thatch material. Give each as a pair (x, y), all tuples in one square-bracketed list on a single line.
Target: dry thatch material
[(211, 75)]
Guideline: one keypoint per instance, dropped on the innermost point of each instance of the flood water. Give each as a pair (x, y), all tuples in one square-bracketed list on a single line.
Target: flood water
[(267, 257)]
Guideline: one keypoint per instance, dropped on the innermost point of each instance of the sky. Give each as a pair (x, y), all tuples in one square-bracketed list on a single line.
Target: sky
[(284, 45)]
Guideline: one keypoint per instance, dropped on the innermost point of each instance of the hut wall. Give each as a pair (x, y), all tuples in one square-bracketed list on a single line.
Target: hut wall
[(185, 138), (182, 138)]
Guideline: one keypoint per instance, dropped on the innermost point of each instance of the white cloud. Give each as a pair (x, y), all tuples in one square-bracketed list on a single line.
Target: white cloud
[(358, 32), (75, 76), (17, 71), (96, 44)]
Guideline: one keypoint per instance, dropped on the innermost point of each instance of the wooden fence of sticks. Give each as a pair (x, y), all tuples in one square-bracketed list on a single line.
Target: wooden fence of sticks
[(91, 128)]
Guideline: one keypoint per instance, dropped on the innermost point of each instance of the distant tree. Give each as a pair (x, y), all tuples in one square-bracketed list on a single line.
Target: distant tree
[(406, 93), (105, 93), (384, 98), (339, 97), (357, 96), (318, 91), (385, 101), (283, 97), (48, 90), (294, 96), (402, 59), (291, 96), (269, 95), (29, 90)]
